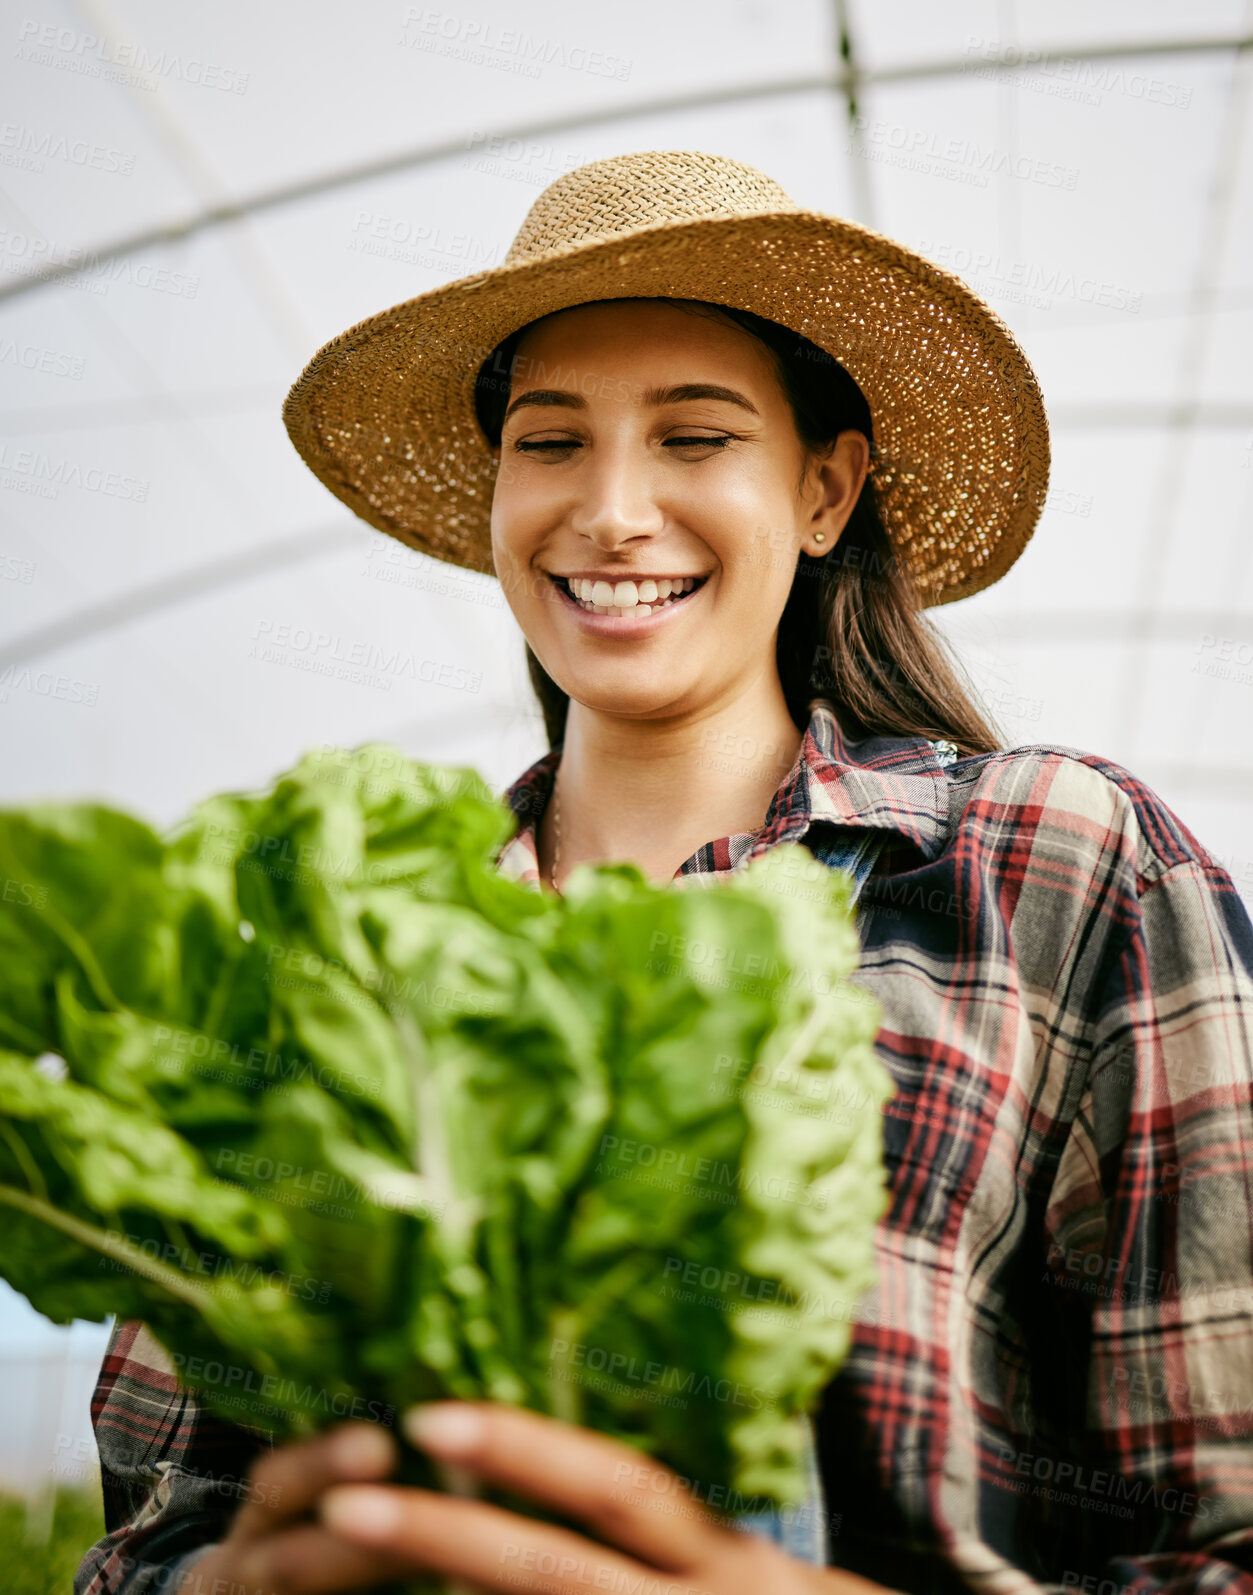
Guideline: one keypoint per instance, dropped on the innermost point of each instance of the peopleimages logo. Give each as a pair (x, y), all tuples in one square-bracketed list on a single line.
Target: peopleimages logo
[(46, 684), (1027, 281), (90, 55), (961, 159), (33, 357), (620, 1369), (27, 470), (1068, 76), (505, 48), (278, 1392), (30, 147), (26, 255), (1097, 1489), (365, 663)]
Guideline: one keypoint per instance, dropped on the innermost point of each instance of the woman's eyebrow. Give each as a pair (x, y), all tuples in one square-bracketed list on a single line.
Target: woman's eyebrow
[(697, 390), (675, 394), (576, 401)]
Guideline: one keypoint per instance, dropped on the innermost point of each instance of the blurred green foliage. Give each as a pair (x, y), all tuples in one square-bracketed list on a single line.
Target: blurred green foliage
[(35, 1564)]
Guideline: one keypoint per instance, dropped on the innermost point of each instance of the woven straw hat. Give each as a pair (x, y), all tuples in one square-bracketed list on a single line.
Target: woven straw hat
[(384, 414)]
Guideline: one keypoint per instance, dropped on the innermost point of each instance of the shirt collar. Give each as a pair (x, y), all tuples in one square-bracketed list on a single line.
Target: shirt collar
[(896, 784)]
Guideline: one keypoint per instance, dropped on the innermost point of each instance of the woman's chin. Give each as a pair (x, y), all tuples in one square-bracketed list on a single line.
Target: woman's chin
[(625, 693)]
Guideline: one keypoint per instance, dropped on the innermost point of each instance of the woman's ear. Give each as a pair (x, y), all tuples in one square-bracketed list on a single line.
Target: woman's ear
[(835, 480)]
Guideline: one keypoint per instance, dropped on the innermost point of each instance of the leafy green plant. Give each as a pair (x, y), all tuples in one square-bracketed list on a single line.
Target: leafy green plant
[(352, 1120)]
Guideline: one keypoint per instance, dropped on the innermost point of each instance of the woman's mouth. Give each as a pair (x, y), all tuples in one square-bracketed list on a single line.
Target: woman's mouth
[(628, 600)]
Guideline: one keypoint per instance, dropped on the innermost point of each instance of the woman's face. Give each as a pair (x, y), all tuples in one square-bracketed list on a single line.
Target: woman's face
[(620, 463)]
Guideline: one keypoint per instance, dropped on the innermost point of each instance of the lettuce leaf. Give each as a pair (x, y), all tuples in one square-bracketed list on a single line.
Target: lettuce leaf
[(352, 1120)]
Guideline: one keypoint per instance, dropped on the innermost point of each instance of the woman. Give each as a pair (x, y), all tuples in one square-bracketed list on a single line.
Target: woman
[(1051, 1384)]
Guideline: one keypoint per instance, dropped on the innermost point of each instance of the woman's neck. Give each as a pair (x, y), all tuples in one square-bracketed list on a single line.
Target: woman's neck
[(651, 792)]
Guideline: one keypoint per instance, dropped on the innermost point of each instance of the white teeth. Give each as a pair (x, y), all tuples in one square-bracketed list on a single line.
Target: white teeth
[(628, 598)]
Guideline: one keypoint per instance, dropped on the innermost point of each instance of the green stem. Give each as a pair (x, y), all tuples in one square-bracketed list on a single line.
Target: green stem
[(86, 958), (567, 1324), (563, 1392), (222, 989), (430, 1151), (25, 1161), (111, 1245)]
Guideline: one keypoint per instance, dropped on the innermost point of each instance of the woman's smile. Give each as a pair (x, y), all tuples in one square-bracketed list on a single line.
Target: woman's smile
[(626, 607)]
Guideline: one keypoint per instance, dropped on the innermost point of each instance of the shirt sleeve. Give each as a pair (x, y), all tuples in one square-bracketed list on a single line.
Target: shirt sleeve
[(1149, 1232), (172, 1474)]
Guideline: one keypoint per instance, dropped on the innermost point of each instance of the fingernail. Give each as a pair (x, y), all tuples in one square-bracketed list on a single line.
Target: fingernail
[(449, 1428), (360, 1513), (362, 1449)]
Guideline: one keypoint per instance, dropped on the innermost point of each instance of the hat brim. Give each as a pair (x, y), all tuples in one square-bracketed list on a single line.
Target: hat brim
[(384, 413)]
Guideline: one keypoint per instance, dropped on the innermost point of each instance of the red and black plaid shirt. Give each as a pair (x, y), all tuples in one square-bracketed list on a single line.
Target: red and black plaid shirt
[(1051, 1383)]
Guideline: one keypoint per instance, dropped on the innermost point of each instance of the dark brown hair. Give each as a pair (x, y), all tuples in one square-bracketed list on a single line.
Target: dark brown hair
[(852, 630)]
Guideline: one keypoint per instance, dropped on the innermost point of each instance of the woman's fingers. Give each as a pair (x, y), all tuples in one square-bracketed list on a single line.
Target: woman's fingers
[(308, 1560), (287, 1482), (623, 1496), (474, 1542)]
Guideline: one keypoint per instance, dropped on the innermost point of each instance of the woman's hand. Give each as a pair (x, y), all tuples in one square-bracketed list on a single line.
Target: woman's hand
[(275, 1546), (660, 1540)]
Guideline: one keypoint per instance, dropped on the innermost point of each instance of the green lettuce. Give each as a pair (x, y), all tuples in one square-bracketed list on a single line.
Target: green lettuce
[(351, 1120)]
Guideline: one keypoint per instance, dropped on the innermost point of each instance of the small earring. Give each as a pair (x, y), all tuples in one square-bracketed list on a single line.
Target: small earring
[(820, 537)]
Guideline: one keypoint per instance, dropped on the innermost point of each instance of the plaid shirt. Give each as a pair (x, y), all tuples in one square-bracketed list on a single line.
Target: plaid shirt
[(1050, 1386)]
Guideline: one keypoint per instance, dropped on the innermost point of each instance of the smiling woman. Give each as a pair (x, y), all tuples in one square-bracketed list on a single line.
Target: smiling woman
[(720, 453), (851, 620), (672, 480)]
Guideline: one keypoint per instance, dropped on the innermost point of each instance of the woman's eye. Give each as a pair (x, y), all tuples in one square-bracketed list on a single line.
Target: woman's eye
[(531, 445), (551, 445)]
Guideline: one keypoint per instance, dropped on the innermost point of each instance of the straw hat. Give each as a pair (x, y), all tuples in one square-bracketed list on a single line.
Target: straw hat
[(384, 414)]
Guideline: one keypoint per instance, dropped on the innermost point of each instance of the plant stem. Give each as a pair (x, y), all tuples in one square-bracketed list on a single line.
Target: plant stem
[(26, 1162), (112, 1245)]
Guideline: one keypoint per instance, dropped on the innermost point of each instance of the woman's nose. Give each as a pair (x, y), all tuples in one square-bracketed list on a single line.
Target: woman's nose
[(616, 501)]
